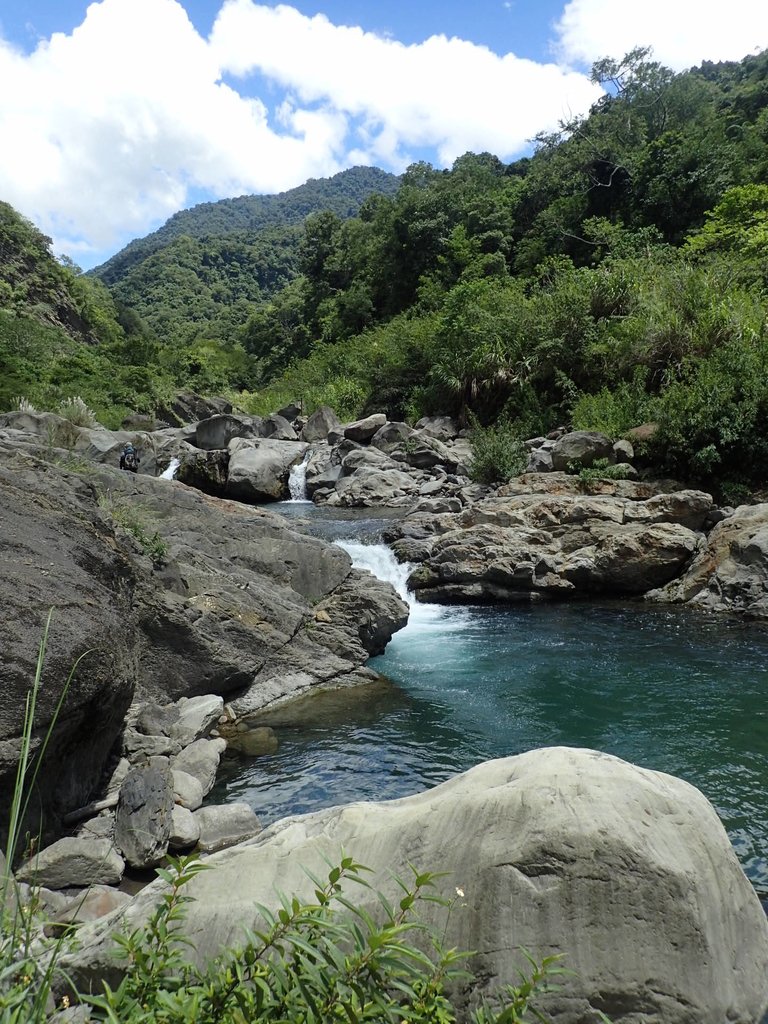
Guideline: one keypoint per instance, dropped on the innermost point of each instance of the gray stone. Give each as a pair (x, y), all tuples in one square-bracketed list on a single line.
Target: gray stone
[(217, 431), (442, 427), (391, 434), (320, 423), (74, 862), (154, 720), (137, 747), (95, 902), (201, 760), (539, 461), (143, 815), (623, 451), (278, 428), (185, 829), (363, 430), (582, 447), (187, 790), (259, 470), (196, 717), (225, 825), (627, 872)]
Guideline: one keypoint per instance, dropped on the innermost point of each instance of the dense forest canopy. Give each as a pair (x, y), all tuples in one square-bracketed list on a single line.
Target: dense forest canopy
[(616, 276)]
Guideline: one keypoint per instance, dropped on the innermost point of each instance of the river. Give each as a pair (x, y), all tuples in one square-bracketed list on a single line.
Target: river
[(662, 687)]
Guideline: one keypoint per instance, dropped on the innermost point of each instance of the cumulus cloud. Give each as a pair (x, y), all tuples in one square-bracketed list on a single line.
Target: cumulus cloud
[(682, 32), (106, 130)]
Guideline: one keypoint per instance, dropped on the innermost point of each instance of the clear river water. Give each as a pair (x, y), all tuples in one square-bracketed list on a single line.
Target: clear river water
[(662, 687)]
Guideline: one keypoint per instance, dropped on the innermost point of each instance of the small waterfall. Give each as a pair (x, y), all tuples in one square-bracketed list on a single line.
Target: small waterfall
[(297, 480), (170, 472), (422, 618)]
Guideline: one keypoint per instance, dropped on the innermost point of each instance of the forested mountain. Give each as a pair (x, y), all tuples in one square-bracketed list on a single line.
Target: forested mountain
[(618, 275), (199, 274)]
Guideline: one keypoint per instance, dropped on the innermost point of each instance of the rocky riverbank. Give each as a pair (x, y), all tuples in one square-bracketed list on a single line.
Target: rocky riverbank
[(199, 608)]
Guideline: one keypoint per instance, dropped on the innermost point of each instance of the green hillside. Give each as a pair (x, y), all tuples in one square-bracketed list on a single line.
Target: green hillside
[(617, 276), (198, 275)]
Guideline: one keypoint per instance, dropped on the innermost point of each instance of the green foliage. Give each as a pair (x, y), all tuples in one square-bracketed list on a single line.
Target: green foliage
[(135, 519), (319, 961), (498, 453), (75, 411), (600, 469), (28, 958)]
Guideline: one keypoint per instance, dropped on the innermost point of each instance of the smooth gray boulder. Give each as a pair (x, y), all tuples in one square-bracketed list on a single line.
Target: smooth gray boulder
[(442, 427), (225, 825), (196, 717), (582, 447), (72, 862), (185, 829), (143, 814), (217, 431), (187, 790), (259, 470), (371, 486), (201, 760), (322, 421), (363, 430), (278, 428), (391, 434), (626, 872)]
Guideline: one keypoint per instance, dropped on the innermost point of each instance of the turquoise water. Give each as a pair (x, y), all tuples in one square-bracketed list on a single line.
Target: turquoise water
[(661, 687)]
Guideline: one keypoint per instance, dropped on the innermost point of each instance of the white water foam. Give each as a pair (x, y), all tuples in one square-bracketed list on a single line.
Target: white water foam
[(170, 472), (297, 480), (422, 618)]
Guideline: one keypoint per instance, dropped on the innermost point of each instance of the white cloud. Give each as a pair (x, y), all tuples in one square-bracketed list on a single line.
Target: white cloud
[(443, 93), (105, 131), (682, 32)]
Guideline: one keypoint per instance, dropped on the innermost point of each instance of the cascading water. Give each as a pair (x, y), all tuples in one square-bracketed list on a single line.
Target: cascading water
[(297, 479), (170, 472)]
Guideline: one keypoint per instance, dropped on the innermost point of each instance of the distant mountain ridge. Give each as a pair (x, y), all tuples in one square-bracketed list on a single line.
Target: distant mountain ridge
[(342, 193), (201, 273)]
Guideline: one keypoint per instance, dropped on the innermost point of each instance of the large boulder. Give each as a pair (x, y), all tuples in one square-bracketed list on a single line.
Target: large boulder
[(217, 431), (60, 556), (322, 421), (278, 428), (582, 447), (259, 470), (187, 407), (444, 428), (730, 572), (626, 872), (390, 435), (529, 546), (363, 430), (369, 486), (143, 815), (175, 594), (205, 470)]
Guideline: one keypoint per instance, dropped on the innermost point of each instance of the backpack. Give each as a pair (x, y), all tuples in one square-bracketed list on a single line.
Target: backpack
[(130, 461)]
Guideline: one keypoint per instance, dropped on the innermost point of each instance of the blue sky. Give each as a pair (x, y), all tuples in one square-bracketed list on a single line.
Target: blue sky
[(116, 114)]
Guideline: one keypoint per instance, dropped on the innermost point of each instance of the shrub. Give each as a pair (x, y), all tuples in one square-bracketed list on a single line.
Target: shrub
[(77, 412), (498, 453), (321, 961)]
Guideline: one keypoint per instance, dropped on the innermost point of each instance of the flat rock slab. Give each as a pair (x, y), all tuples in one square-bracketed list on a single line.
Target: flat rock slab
[(74, 862)]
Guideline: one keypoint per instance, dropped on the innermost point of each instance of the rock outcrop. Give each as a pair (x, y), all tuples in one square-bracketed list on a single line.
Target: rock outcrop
[(625, 871), (176, 594)]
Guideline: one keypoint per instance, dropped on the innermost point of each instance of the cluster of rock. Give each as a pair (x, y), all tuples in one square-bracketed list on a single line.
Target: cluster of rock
[(152, 806), (238, 604)]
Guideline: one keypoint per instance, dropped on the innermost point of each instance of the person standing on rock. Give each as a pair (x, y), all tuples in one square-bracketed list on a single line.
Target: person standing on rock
[(129, 459)]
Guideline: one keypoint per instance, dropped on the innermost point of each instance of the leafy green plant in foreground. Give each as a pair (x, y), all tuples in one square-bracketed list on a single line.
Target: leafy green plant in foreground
[(319, 961)]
